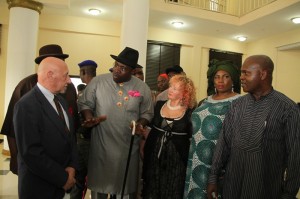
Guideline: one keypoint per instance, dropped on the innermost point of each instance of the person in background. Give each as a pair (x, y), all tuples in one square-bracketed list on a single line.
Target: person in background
[(162, 85), (162, 82), (163, 96), (175, 70), (260, 141), (24, 86), (167, 144), (110, 103), (87, 73), (87, 70), (45, 135), (207, 122), (80, 89), (138, 72)]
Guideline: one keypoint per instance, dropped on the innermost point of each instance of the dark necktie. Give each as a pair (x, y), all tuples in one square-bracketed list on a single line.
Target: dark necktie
[(60, 112)]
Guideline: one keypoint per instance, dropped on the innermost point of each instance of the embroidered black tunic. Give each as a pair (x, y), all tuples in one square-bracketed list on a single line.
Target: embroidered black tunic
[(259, 142)]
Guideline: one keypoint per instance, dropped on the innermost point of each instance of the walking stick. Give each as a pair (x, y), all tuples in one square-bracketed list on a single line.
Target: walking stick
[(128, 159)]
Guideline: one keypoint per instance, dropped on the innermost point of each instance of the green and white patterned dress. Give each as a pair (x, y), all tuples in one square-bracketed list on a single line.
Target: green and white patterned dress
[(207, 122)]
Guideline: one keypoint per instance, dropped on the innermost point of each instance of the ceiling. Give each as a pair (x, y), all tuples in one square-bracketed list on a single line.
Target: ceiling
[(269, 24)]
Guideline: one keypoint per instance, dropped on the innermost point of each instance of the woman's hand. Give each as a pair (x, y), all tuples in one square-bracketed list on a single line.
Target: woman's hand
[(212, 191)]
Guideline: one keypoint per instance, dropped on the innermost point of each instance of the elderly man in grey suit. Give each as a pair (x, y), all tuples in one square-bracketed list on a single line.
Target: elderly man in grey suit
[(44, 135)]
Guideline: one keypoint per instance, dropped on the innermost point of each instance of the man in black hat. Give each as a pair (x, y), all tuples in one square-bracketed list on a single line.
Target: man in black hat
[(175, 70), (25, 85), (109, 104), (87, 73)]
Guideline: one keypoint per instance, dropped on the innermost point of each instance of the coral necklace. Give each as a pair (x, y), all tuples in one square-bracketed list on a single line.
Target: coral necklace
[(173, 108)]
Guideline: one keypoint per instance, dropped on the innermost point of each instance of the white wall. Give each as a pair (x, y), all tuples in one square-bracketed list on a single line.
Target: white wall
[(287, 69)]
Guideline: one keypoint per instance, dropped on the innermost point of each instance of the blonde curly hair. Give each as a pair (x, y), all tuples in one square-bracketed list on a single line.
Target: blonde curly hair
[(189, 90)]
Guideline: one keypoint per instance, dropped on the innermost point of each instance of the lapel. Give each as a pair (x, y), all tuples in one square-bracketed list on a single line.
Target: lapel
[(51, 113), (65, 107)]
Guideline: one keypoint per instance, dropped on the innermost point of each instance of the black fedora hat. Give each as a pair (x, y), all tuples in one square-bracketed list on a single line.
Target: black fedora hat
[(128, 56), (51, 50)]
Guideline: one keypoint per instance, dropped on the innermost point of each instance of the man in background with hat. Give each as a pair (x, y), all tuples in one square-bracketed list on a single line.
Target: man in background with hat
[(175, 70), (25, 85), (87, 72), (110, 103)]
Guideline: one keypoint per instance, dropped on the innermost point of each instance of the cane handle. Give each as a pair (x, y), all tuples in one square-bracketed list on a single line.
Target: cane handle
[(133, 127)]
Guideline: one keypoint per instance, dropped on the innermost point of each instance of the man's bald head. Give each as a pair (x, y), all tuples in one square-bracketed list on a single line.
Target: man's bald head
[(53, 74), (264, 62)]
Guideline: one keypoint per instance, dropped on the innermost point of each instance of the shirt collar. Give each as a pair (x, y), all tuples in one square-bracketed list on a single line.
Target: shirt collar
[(46, 92)]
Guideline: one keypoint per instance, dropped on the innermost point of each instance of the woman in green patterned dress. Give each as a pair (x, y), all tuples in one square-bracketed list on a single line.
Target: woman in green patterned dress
[(207, 122)]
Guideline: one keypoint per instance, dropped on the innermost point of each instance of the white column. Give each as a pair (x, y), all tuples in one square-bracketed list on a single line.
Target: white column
[(21, 44), (135, 27)]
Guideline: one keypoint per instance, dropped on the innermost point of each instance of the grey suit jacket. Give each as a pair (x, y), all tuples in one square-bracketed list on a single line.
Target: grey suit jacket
[(45, 149)]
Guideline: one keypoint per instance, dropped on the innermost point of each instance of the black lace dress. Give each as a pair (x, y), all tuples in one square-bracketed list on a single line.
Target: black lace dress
[(165, 155)]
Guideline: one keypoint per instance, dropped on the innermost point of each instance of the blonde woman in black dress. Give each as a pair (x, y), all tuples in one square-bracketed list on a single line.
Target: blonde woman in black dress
[(167, 145)]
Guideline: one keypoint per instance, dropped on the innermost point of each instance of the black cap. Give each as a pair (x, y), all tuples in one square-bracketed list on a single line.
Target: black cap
[(176, 69), (88, 63)]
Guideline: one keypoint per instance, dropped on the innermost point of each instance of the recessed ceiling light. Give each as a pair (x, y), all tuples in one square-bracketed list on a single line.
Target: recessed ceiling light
[(177, 24), (94, 11), (296, 20), (241, 38)]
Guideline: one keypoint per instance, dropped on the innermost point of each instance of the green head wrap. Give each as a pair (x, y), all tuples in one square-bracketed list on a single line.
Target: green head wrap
[(228, 66)]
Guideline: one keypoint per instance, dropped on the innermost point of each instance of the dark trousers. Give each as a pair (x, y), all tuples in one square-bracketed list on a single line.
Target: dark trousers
[(83, 147)]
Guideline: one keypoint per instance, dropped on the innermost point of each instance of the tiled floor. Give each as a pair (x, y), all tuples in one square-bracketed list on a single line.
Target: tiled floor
[(9, 181)]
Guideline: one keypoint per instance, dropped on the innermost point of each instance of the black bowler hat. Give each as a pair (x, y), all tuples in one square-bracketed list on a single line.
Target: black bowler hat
[(51, 50), (128, 56)]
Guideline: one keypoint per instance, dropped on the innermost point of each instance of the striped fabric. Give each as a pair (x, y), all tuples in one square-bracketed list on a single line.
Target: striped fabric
[(260, 140)]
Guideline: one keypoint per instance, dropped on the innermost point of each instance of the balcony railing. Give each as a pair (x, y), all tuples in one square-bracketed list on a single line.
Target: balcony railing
[(231, 7)]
